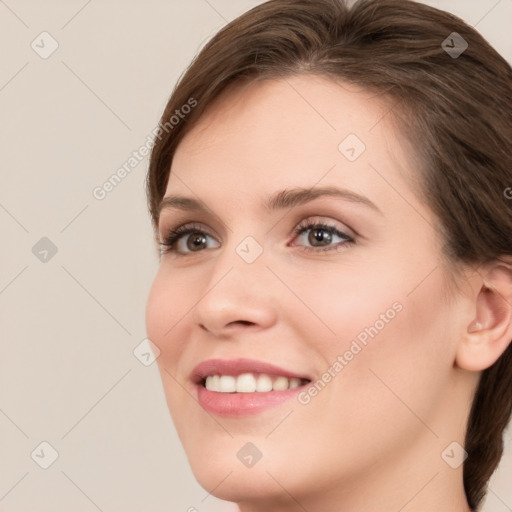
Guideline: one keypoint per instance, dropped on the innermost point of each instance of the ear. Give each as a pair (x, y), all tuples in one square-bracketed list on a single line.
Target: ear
[(489, 332)]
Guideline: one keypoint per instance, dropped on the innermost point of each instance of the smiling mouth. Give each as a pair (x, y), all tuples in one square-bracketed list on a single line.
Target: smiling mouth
[(243, 387), (251, 383)]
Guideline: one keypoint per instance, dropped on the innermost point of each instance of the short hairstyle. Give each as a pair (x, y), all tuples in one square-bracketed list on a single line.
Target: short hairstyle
[(454, 111)]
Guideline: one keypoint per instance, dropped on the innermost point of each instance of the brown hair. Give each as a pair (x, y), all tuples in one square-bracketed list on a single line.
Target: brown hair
[(454, 111)]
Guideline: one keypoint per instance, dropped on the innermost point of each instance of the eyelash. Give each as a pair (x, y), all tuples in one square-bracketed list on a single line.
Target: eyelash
[(174, 235)]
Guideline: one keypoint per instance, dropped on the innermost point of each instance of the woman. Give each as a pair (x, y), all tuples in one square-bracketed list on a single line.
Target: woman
[(330, 188)]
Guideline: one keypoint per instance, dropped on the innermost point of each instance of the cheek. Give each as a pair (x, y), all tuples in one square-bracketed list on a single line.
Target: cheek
[(386, 344), (334, 306), (157, 308), (395, 371), (166, 311)]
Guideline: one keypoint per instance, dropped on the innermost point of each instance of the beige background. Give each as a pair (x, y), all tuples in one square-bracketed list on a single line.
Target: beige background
[(69, 325)]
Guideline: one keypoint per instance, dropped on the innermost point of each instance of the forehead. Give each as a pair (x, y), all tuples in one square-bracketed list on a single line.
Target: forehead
[(298, 131), (285, 112)]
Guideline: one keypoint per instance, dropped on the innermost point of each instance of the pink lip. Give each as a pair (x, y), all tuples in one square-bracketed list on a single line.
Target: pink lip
[(240, 404)]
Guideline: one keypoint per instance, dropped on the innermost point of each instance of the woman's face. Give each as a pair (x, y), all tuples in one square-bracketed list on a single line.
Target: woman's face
[(358, 307)]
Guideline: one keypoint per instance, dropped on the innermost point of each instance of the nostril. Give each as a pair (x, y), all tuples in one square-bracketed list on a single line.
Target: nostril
[(244, 322)]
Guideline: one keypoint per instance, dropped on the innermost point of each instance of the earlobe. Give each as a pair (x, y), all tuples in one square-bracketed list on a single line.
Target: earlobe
[(490, 331)]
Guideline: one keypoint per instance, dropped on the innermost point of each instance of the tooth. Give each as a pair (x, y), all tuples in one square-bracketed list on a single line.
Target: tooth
[(227, 384), (264, 383), (249, 383), (280, 384), (246, 383), (294, 383), (212, 383)]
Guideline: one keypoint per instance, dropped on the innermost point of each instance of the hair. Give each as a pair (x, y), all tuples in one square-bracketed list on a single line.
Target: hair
[(455, 112)]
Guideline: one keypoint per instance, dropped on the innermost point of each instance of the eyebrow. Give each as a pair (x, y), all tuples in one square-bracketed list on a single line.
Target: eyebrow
[(283, 199)]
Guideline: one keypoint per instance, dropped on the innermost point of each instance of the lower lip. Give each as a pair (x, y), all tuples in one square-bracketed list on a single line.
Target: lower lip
[(242, 404)]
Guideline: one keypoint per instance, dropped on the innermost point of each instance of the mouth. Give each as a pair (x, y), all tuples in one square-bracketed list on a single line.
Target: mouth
[(241, 387), (251, 383)]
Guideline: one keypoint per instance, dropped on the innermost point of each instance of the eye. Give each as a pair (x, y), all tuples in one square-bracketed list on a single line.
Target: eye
[(189, 238), (185, 239), (321, 236)]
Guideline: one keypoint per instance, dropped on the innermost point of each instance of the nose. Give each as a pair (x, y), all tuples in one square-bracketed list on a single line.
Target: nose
[(238, 296)]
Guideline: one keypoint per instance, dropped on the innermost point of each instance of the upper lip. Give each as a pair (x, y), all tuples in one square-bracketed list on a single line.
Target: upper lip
[(238, 366)]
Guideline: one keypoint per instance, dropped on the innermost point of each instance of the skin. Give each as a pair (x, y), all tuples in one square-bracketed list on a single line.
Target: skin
[(372, 438)]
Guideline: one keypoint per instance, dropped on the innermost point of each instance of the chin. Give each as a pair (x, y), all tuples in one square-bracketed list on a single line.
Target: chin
[(233, 470), (237, 484)]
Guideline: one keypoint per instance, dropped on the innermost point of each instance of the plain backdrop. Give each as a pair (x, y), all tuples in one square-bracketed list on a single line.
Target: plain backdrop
[(75, 271)]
